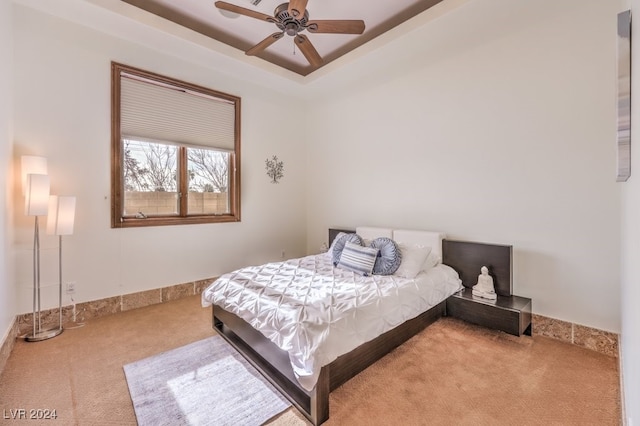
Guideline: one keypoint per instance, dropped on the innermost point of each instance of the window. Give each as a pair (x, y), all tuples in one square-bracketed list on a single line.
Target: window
[(175, 151)]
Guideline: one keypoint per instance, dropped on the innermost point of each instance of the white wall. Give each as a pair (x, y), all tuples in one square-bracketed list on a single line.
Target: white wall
[(62, 111), (630, 284), (7, 289), (494, 123)]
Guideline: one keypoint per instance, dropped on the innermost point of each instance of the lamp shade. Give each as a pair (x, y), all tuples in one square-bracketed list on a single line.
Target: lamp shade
[(36, 197), (62, 213), (31, 164)]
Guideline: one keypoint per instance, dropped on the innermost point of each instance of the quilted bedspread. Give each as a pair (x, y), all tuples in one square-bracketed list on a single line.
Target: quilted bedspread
[(317, 312)]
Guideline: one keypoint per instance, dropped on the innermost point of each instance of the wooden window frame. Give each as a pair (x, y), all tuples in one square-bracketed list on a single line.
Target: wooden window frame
[(117, 157)]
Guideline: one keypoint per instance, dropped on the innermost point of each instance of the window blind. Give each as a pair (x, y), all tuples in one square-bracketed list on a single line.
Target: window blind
[(173, 114)]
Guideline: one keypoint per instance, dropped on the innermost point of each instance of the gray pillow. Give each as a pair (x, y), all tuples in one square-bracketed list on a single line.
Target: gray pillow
[(338, 245), (389, 256), (358, 259)]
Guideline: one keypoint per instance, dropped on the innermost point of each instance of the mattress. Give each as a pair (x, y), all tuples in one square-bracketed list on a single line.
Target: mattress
[(317, 312)]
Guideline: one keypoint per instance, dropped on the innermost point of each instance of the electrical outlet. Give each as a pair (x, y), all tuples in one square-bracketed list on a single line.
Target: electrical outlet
[(71, 287)]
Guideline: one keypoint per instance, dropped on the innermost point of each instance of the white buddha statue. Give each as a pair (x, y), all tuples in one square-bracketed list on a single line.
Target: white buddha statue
[(484, 288)]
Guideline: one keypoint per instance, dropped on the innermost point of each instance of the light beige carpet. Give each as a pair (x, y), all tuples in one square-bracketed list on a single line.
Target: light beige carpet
[(452, 373)]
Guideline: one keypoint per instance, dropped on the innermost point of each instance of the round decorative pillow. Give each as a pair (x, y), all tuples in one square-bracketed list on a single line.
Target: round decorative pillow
[(340, 241), (389, 256)]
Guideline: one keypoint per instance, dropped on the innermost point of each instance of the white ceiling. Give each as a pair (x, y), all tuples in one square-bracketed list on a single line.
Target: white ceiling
[(417, 38), (243, 32)]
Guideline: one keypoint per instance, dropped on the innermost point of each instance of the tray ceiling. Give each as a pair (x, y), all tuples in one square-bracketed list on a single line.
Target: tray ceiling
[(242, 32)]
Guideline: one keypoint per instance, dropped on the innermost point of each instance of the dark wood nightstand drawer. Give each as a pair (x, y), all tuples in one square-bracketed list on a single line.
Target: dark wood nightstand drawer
[(511, 314)]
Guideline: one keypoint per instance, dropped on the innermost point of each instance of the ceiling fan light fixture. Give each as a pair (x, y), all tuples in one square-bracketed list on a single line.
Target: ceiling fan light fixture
[(291, 29), (293, 18)]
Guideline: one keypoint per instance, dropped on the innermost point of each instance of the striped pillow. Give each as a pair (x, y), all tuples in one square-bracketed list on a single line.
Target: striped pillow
[(358, 259)]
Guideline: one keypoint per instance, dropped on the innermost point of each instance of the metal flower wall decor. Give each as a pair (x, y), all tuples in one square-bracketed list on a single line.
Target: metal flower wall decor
[(275, 169)]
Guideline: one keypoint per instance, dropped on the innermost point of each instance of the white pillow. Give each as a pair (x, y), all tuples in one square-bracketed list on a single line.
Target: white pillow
[(432, 260), (413, 259)]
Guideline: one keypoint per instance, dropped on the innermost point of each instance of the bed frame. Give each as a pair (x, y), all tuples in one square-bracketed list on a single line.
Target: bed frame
[(273, 363), (275, 366)]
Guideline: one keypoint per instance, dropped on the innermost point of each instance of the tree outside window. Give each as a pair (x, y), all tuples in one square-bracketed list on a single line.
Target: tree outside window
[(175, 152)]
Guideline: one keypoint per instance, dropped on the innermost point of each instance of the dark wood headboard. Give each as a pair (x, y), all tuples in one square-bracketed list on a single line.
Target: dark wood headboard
[(468, 257)]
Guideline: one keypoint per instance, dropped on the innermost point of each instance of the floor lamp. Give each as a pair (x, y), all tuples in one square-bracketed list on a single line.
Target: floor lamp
[(62, 211), (36, 204)]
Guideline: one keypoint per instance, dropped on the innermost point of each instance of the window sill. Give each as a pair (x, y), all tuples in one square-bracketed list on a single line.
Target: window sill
[(171, 221)]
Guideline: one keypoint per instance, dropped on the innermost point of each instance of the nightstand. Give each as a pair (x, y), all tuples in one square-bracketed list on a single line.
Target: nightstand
[(511, 314)]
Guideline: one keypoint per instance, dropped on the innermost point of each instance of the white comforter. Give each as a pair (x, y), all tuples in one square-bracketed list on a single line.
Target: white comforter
[(317, 312)]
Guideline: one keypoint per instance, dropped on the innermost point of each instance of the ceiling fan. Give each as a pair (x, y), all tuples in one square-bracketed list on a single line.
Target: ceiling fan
[(292, 18)]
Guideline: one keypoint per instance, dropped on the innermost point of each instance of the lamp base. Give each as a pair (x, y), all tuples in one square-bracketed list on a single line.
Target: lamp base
[(43, 335)]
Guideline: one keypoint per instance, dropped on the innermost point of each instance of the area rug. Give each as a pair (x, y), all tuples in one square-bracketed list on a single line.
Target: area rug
[(204, 383)]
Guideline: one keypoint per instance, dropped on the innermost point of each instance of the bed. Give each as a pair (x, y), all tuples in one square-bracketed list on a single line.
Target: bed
[(308, 349)]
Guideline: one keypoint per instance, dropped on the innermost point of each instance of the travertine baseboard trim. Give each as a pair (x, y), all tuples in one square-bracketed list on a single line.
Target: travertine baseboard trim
[(591, 338), (98, 308), (601, 341), (7, 345)]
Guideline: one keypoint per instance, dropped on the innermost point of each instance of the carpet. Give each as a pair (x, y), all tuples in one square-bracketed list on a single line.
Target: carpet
[(204, 383)]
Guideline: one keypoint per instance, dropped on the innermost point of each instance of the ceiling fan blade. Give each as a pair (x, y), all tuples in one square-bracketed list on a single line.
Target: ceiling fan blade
[(264, 44), (336, 26), (243, 11), (308, 50), (297, 7)]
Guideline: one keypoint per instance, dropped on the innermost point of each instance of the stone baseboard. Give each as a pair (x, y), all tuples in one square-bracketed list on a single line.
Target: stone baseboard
[(97, 308), (591, 338)]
